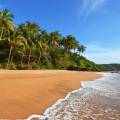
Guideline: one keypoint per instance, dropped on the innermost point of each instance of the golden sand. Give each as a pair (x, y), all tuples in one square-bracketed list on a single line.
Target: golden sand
[(27, 92)]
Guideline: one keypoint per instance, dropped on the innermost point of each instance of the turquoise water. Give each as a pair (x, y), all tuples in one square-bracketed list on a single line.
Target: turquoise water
[(95, 100)]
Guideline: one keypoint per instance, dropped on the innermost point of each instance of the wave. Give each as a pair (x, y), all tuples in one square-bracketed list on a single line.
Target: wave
[(81, 103)]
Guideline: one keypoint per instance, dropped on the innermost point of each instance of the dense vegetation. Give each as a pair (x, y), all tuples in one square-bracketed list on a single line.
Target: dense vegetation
[(27, 46), (110, 67)]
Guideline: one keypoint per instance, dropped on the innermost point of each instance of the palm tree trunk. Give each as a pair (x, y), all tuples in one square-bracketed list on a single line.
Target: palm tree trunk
[(39, 58), (10, 52), (29, 57), (22, 59), (11, 58)]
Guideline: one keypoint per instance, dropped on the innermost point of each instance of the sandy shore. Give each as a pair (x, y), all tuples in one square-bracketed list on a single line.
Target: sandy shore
[(24, 93)]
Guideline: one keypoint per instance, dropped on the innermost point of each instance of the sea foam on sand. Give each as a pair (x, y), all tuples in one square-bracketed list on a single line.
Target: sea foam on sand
[(95, 100)]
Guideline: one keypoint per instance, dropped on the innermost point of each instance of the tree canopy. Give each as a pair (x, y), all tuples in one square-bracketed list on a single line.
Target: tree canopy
[(27, 46)]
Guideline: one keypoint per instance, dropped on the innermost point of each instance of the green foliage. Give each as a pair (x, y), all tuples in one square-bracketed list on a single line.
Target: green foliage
[(27, 46), (21, 67), (109, 67), (10, 66), (48, 65), (24, 67), (2, 57), (35, 66)]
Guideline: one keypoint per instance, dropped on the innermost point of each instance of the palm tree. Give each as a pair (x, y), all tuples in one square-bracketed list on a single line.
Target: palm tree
[(16, 43), (81, 48), (6, 22), (27, 43), (41, 46), (69, 43), (30, 31), (54, 39)]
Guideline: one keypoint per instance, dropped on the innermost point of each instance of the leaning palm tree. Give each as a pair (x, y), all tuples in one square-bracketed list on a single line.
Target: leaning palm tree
[(32, 34), (54, 39), (81, 48), (42, 48), (30, 31), (69, 42), (16, 43), (6, 22)]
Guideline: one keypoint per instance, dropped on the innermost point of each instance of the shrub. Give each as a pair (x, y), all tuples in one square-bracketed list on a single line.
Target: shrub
[(21, 67), (35, 66), (28, 67), (71, 67), (24, 67), (10, 66), (48, 65)]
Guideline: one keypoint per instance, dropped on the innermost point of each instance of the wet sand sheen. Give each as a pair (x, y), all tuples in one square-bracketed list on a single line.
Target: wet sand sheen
[(24, 93), (95, 100)]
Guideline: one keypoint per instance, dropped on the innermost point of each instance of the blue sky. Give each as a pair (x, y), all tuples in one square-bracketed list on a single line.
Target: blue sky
[(95, 23)]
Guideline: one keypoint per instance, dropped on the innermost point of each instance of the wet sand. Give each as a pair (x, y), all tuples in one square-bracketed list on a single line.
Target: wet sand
[(27, 92)]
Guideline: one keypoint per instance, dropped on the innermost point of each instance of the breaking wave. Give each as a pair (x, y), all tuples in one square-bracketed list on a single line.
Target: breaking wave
[(95, 100)]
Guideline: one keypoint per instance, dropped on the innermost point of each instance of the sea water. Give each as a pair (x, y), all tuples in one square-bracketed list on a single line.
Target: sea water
[(95, 100)]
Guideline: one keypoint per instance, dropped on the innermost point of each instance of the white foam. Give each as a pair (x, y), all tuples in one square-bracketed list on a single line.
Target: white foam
[(36, 117), (58, 104), (49, 110)]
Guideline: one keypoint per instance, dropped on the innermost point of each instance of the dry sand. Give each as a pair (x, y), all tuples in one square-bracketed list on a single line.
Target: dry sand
[(24, 93)]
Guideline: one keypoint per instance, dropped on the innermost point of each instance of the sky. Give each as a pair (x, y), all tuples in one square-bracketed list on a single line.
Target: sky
[(94, 23)]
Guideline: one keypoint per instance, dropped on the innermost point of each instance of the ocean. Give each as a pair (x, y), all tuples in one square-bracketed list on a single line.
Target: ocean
[(95, 100)]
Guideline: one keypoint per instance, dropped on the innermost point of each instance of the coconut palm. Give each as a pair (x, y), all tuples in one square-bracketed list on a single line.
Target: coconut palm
[(81, 48), (6, 22), (41, 46), (27, 43), (16, 42), (54, 39), (30, 31), (69, 42)]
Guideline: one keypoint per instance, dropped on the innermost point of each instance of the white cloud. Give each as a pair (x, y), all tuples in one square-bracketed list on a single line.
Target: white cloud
[(99, 54), (90, 6)]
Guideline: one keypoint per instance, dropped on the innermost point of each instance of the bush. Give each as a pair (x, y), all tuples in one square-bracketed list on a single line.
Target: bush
[(68, 63), (10, 66), (35, 66), (24, 67), (21, 67), (84, 69), (47, 65), (71, 67)]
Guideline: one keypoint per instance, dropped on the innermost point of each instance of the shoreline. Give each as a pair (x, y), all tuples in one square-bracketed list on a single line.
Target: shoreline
[(56, 84), (54, 106), (88, 97)]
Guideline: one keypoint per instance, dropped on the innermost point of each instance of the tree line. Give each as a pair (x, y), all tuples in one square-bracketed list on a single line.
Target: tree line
[(27, 46), (110, 67)]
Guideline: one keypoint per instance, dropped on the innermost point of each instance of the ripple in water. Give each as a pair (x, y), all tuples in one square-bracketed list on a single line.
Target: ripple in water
[(95, 100)]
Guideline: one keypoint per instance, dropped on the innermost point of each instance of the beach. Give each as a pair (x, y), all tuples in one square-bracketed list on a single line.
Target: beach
[(28, 92), (95, 100)]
